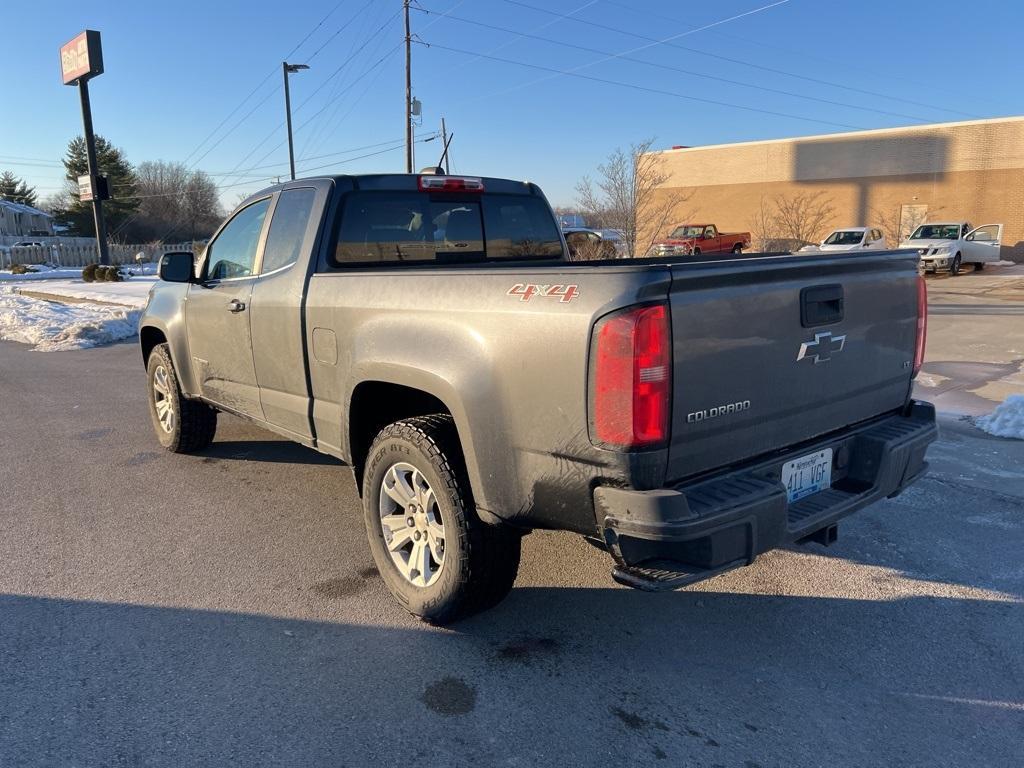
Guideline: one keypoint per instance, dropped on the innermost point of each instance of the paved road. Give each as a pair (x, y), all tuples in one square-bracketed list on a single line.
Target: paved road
[(222, 609)]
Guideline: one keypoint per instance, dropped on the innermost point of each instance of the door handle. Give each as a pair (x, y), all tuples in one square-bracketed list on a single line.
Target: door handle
[(236, 306)]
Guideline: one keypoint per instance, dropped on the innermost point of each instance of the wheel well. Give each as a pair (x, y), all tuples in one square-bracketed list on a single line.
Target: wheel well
[(374, 405), (149, 337)]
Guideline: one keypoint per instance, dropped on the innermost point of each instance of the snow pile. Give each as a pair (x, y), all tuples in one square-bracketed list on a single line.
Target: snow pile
[(132, 293), (52, 327), (42, 273), (1007, 420)]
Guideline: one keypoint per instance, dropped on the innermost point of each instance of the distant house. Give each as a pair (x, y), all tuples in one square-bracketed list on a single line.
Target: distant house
[(24, 220)]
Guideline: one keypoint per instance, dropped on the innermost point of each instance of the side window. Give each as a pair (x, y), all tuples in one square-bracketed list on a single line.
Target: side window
[(965, 230), (710, 231), (287, 228), (233, 253)]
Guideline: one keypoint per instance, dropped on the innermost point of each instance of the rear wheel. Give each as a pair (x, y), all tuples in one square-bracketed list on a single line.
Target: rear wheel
[(737, 248), (436, 556), (181, 425), (954, 268)]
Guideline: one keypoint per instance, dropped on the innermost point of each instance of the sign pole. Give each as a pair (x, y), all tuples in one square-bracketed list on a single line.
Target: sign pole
[(81, 59), (90, 153)]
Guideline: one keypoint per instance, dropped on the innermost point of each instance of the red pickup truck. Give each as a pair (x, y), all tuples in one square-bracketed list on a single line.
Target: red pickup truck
[(695, 239)]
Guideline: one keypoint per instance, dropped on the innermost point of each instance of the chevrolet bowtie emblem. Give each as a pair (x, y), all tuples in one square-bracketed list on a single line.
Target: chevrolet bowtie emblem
[(822, 348)]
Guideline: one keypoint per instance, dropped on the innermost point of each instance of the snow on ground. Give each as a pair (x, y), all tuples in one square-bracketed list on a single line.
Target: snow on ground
[(930, 379), (131, 293), (1007, 420), (52, 326), (43, 273)]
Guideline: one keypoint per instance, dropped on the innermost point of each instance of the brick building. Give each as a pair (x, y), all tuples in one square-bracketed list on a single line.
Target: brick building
[(890, 178)]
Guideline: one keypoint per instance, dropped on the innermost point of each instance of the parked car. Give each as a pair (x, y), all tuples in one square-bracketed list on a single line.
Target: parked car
[(28, 244), (948, 245), (589, 244), (850, 239), (698, 239), (684, 417)]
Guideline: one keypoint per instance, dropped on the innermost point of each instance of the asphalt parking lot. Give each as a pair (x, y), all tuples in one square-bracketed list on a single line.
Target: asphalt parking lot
[(223, 609)]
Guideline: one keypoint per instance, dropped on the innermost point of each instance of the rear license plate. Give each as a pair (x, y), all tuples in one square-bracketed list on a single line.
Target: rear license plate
[(808, 474)]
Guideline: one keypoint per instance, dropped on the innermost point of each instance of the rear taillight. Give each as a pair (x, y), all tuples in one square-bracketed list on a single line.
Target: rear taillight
[(631, 378), (922, 323), (451, 184)]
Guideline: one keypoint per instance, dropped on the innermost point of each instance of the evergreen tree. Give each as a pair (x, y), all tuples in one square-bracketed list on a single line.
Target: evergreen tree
[(111, 162), (16, 190)]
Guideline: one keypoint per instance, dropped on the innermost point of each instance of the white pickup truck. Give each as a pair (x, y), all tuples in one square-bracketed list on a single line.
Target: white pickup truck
[(950, 244)]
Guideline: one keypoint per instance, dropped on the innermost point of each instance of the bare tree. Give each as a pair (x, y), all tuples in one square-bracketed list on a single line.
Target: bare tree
[(763, 227), (628, 196), (805, 216), (174, 203), (899, 222)]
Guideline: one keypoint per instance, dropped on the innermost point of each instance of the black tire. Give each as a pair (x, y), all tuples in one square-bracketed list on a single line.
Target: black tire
[(979, 266), (193, 423), (737, 248), (696, 251), (954, 268), (481, 560)]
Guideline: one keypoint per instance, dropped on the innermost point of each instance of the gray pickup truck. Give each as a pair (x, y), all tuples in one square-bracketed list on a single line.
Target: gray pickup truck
[(431, 332)]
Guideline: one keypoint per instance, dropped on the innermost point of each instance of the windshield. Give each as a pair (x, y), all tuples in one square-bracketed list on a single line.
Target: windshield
[(844, 237), (936, 232), (420, 226), (687, 231)]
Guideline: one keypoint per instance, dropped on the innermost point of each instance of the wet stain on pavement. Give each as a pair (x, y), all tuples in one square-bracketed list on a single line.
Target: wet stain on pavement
[(343, 586), (142, 457), (527, 650), (450, 696), (94, 434), (370, 572), (636, 722)]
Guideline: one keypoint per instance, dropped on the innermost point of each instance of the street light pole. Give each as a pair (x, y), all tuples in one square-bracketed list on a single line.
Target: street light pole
[(287, 69)]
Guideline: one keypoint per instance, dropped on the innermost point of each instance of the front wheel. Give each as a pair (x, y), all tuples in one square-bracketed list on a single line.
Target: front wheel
[(978, 266), (954, 268), (436, 556), (696, 251), (181, 425)]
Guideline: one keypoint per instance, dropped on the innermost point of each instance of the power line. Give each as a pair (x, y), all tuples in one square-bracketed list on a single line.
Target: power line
[(260, 85), (659, 91), (670, 68), (720, 57), (334, 74), (803, 54)]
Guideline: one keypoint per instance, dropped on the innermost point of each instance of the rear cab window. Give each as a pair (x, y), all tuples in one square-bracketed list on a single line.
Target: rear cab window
[(393, 227)]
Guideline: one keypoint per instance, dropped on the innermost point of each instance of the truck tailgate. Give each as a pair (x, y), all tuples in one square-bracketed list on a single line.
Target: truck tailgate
[(769, 352)]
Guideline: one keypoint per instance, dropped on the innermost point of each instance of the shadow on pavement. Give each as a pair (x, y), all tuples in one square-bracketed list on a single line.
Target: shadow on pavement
[(551, 677), (274, 451)]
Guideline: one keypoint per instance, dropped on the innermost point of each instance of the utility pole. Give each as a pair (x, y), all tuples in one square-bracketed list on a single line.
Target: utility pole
[(408, 90), (286, 70), (444, 138)]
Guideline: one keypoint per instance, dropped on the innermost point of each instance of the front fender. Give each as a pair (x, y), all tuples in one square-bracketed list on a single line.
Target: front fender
[(166, 312)]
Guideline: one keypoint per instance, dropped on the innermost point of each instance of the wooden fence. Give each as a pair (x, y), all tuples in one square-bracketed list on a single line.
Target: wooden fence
[(78, 255)]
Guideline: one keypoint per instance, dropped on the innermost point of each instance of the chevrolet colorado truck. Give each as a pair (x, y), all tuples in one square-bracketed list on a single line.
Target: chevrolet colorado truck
[(700, 239), (431, 332)]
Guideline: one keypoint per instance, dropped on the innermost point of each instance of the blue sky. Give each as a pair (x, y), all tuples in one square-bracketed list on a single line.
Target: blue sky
[(175, 71)]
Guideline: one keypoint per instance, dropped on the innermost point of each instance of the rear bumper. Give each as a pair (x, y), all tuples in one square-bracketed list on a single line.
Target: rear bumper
[(675, 536)]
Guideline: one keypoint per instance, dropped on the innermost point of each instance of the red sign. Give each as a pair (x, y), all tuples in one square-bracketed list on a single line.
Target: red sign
[(81, 58)]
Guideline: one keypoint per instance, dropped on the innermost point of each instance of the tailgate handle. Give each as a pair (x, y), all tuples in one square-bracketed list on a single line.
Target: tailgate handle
[(821, 305)]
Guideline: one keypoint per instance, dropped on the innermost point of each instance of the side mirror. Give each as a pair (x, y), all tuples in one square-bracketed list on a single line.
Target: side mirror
[(177, 267)]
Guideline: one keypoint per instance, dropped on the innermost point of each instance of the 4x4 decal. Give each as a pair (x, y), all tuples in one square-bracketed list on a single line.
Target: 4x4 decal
[(526, 291)]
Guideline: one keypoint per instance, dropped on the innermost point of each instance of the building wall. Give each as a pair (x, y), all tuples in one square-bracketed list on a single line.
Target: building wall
[(970, 171)]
